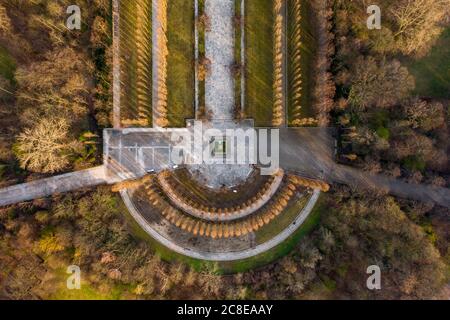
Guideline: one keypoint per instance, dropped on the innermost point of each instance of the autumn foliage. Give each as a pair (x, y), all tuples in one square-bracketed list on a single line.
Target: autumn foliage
[(279, 115), (324, 87)]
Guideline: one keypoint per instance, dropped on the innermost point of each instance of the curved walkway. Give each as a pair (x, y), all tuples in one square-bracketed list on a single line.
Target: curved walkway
[(226, 256)]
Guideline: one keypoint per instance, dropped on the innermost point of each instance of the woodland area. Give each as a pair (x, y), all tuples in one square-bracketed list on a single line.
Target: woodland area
[(387, 127), (39, 240), (55, 96), (55, 89)]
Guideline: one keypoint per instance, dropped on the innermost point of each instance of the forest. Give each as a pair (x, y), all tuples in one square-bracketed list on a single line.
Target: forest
[(388, 126)]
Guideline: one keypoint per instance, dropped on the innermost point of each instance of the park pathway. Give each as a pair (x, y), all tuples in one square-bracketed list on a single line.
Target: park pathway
[(57, 184), (159, 50), (362, 180), (309, 152), (219, 46)]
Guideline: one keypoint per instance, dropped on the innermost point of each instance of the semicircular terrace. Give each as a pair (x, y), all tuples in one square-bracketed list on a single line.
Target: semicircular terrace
[(172, 188), (213, 244), (223, 228)]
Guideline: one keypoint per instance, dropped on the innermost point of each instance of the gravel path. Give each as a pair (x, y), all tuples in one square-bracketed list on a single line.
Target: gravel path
[(219, 44)]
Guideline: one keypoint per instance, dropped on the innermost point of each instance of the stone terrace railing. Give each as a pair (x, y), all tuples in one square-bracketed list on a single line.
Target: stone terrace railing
[(220, 214), (224, 229)]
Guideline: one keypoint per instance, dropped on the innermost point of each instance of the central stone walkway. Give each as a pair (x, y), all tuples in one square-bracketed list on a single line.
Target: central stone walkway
[(220, 93), (219, 44)]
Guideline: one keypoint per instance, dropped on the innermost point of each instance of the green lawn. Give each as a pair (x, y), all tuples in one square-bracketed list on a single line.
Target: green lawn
[(281, 222), (259, 59), (308, 49), (181, 58), (7, 65), (136, 59), (432, 72)]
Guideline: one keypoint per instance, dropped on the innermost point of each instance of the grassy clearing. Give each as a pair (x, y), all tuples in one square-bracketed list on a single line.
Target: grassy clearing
[(259, 56), (7, 65), (308, 49), (180, 61), (432, 72), (87, 291)]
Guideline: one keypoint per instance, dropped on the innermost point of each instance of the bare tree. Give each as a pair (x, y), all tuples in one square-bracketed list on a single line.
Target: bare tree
[(418, 23), (46, 147)]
